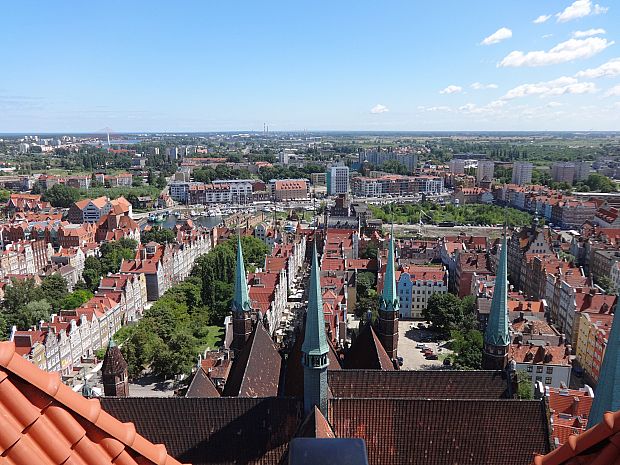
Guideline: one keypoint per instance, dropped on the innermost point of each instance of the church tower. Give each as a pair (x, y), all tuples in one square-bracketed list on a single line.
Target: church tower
[(315, 347), (114, 372), (389, 306), (496, 337), (241, 305), (607, 392)]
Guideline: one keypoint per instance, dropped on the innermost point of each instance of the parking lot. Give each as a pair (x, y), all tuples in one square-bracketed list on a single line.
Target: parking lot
[(413, 358)]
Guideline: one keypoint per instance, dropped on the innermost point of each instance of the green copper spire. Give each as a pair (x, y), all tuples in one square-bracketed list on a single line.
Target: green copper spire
[(111, 343), (315, 341), (607, 392), (497, 328), (241, 299), (389, 298)]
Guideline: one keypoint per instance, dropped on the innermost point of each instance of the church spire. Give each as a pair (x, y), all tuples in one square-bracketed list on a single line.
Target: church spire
[(389, 306), (496, 336), (389, 297), (315, 346), (241, 305), (241, 299), (607, 392)]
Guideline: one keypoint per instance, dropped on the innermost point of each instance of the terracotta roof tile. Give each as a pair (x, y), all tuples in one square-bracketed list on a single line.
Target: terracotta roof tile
[(42, 421)]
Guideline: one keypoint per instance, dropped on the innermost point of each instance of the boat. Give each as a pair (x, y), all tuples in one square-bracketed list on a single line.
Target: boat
[(177, 214), (156, 218), (193, 213), (214, 212)]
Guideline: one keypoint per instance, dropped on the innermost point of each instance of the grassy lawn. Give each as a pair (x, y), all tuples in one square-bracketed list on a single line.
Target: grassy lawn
[(214, 339)]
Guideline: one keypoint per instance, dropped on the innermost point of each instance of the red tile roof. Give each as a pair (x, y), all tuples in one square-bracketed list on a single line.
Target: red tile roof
[(42, 421), (597, 445)]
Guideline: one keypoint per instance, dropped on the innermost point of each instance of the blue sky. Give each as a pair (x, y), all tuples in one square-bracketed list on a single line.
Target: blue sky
[(321, 65)]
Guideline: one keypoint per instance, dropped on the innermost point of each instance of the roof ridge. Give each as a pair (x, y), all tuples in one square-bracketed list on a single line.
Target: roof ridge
[(89, 409)]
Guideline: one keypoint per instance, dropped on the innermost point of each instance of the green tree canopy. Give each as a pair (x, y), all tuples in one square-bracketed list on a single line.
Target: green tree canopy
[(61, 196), (75, 299), (159, 235)]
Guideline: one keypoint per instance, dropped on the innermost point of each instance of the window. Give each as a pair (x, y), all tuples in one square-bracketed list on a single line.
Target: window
[(539, 369), (548, 380), (529, 369), (549, 370), (539, 378)]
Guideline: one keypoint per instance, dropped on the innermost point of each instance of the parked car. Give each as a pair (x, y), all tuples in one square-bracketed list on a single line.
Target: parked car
[(447, 362), (432, 356), (400, 361), (419, 345)]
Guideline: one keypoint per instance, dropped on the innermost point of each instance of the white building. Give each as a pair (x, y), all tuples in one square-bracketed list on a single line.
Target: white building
[(24, 148), (547, 364), (338, 180), (416, 284), (522, 173), (485, 171)]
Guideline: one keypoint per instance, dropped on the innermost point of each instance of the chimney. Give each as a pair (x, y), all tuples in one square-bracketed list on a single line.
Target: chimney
[(567, 350), (575, 409)]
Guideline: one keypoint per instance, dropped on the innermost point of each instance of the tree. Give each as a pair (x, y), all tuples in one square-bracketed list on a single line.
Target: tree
[(467, 347), (4, 195), (136, 181), (365, 281), (159, 235), (525, 389), (75, 299), (605, 283), (19, 293), (54, 289), (61, 196), (34, 312), (370, 252), (447, 312), (366, 303)]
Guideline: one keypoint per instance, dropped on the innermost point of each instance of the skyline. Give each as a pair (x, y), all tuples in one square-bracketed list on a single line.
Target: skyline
[(154, 67)]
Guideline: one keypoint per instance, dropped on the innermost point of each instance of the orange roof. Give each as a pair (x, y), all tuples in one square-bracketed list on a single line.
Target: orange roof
[(595, 445), (42, 421)]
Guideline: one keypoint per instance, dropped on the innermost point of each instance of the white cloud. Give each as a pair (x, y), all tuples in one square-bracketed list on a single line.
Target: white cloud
[(480, 86), (438, 108), (560, 86), (613, 92), (611, 68), (572, 49), (579, 9), (378, 109), (546, 36), (502, 33), (600, 10), (541, 19), (451, 89), (589, 33), (554, 104)]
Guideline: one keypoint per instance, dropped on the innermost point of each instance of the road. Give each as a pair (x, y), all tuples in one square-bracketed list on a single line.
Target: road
[(428, 230)]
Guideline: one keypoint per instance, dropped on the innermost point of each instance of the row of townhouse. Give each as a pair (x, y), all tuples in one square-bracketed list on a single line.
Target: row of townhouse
[(63, 342), (73, 335), (592, 338), (563, 211), (595, 248), (24, 257), (396, 185), (235, 191), (169, 264)]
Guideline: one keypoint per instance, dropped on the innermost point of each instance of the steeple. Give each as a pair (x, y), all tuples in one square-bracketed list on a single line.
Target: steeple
[(496, 337), (389, 306), (241, 305), (607, 392), (315, 346), (389, 297), (241, 299)]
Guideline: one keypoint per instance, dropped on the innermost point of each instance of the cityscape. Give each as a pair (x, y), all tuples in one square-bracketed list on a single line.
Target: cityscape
[(231, 276)]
